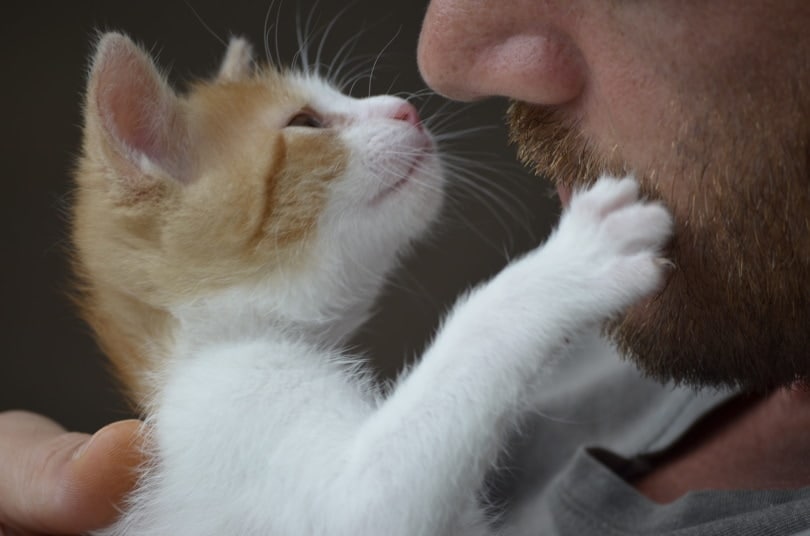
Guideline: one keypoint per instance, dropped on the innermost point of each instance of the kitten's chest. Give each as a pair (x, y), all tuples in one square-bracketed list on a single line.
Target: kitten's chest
[(266, 383)]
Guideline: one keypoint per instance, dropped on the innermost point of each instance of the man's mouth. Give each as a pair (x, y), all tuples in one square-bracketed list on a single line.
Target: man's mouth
[(564, 193)]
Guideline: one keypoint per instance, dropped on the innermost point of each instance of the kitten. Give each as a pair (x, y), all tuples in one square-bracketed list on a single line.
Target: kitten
[(230, 239)]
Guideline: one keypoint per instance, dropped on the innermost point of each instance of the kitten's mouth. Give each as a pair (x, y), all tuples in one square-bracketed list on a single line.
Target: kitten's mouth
[(418, 159), (398, 185)]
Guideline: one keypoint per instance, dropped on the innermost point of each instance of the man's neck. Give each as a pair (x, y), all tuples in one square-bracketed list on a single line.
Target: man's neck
[(748, 443)]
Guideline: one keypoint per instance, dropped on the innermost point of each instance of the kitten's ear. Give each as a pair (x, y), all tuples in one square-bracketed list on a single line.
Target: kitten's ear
[(133, 114), (238, 62)]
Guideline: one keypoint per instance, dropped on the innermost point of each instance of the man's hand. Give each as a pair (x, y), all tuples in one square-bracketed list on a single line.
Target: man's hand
[(58, 482)]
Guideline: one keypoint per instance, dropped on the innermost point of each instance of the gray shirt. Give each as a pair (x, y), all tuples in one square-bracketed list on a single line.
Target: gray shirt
[(596, 414)]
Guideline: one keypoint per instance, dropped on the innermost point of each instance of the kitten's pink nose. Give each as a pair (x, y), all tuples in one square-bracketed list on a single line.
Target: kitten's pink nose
[(407, 112)]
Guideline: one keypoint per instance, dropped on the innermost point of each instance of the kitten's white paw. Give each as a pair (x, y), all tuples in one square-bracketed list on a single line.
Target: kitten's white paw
[(615, 240)]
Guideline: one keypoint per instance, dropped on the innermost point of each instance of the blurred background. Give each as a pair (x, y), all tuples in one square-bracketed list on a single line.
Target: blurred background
[(50, 363)]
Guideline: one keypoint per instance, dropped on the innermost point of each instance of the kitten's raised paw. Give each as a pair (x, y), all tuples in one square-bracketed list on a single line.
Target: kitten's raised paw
[(616, 239)]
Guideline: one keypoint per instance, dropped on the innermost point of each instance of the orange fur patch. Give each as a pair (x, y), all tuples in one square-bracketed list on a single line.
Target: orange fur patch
[(252, 204)]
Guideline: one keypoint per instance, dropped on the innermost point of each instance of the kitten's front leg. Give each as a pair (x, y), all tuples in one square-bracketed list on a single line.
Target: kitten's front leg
[(436, 436)]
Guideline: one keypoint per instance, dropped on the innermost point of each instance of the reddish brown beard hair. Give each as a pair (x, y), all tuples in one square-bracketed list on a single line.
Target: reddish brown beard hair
[(736, 310)]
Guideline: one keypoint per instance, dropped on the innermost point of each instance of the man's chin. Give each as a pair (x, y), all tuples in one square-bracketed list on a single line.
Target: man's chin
[(673, 338)]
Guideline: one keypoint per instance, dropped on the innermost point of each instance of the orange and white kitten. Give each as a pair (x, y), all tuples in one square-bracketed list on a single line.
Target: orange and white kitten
[(230, 239)]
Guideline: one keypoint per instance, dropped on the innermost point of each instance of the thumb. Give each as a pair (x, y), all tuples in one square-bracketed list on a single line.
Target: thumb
[(101, 472), (59, 482)]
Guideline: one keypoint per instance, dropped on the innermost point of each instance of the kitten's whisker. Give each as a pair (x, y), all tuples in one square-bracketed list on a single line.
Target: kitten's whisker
[(310, 34), (458, 156), (440, 120), (429, 185), (421, 291), (302, 54), (327, 32), (351, 89), (465, 173), (374, 65), (391, 85), (356, 73), (494, 204), (459, 160), (445, 104), (489, 192), (431, 95), (451, 136), (469, 226), (306, 35), (348, 48), (493, 196), (495, 186), (360, 71), (411, 95), (277, 26), (204, 24), (266, 32)]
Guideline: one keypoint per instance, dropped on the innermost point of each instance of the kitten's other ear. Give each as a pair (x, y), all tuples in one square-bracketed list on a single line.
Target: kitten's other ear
[(238, 61), (133, 115)]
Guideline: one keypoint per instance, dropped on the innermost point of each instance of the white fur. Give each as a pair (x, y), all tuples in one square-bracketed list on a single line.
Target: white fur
[(260, 425)]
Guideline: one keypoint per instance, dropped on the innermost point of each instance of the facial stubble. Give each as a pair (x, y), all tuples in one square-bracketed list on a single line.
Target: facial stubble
[(736, 310)]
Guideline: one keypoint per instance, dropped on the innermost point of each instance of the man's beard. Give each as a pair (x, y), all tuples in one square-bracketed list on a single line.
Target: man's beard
[(736, 310)]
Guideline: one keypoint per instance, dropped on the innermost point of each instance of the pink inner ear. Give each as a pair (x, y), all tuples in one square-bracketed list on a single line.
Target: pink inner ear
[(137, 109), (127, 107)]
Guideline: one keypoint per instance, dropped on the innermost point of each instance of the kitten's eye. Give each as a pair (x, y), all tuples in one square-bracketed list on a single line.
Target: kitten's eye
[(305, 119)]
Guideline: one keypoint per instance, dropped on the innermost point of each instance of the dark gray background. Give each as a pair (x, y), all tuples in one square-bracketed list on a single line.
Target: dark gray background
[(50, 363)]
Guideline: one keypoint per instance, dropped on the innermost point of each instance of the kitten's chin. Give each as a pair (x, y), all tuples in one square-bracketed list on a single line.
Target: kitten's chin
[(418, 174), (390, 191)]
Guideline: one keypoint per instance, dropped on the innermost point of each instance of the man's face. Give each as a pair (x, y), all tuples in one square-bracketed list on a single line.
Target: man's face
[(708, 103)]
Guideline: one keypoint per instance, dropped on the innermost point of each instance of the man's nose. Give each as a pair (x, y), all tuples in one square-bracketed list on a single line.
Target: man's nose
[(512, 48)]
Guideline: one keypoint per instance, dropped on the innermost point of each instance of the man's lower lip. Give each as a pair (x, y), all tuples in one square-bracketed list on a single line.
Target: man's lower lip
[(564, 193)]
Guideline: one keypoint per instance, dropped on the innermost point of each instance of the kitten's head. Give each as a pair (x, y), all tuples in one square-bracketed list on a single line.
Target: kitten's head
[(259, 178)]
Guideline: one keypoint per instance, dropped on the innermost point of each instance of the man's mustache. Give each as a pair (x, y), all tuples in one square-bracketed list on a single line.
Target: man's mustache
[(554, 149)]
